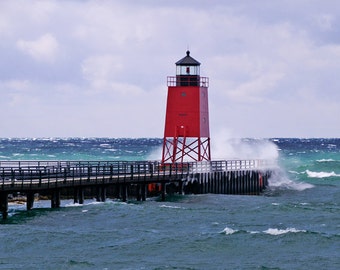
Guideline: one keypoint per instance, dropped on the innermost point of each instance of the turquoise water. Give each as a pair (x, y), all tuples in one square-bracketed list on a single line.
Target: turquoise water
[(295, 224)]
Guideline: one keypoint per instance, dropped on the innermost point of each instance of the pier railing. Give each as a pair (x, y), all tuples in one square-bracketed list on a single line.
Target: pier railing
[(231, 165), (48, 174)]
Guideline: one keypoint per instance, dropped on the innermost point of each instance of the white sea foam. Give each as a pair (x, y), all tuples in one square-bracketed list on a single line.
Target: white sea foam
[(312, 174), (73, 205), (170, 206), (293, 172), (253, 232), (279, 180), (275, 231), (110, 149), (104, 145), (325, 160), (95, 202), (228, 231)]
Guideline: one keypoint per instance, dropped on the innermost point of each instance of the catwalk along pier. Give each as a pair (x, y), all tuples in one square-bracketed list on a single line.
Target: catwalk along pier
[(127, 179)]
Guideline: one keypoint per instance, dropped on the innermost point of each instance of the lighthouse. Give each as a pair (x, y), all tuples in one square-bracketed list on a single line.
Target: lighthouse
[(186, 131)]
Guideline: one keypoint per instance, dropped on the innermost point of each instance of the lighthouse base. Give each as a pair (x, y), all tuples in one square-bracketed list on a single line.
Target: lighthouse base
[(180, 149)]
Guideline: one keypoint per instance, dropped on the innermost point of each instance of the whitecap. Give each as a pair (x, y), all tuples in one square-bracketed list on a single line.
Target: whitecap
[(293, 172), (104, 145), (254, 232), (275, 231), (312, 174), (169, 206), (111, 150), (95, 203), (73, 205), (331, 146), (228, 231), (325, 160)]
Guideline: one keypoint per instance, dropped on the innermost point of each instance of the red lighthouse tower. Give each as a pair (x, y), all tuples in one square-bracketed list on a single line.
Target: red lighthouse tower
[(186, 132)]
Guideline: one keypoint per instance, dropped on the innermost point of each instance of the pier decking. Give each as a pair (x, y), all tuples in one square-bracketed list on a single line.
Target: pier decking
[(128, 178)]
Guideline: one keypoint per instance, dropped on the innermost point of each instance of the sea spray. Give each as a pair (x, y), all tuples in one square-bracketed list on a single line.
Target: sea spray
[(155, 154), (225, 147), (279, 180)]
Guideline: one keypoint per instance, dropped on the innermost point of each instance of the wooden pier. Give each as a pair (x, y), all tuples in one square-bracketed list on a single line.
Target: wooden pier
[(124, 179)]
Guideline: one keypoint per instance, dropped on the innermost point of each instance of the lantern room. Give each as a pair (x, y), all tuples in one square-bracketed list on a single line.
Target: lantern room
[(187, 71)]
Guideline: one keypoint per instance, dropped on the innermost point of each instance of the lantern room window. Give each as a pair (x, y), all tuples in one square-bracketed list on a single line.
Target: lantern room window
[(187, 70)]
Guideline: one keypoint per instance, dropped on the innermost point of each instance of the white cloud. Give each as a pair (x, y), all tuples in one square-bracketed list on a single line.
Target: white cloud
[(43, 49), (256, 90), (272, 65), (325, 21), (15, 85), (102, 67), (105, 74)]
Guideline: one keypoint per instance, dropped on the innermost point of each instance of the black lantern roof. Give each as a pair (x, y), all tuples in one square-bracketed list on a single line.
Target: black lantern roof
[(188, 61)]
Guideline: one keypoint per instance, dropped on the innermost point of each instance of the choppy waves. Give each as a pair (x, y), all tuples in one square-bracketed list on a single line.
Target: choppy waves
[(77, 148)]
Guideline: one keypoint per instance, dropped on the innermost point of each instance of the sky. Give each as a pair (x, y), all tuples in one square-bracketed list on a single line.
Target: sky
[(99, 68)]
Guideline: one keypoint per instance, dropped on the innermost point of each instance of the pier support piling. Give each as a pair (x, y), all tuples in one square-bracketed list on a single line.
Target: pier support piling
[(124, 192), (139, 192), (78, 196), (29, 200), (4, 204), (98, 194), (55, 198), (101, 194), (143, 192), (237, 182), (163, 191)]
